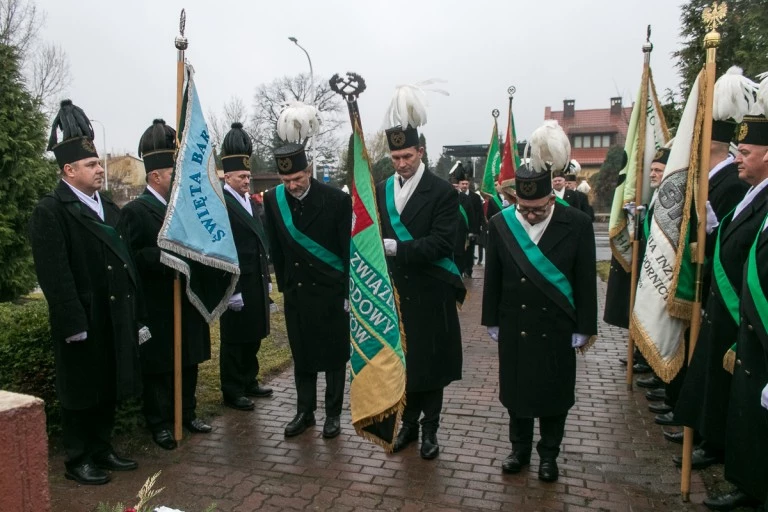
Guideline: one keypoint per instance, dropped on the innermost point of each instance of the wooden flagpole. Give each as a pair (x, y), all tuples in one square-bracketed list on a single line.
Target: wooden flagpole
[(639, 170), (713, 18), (181, 44)]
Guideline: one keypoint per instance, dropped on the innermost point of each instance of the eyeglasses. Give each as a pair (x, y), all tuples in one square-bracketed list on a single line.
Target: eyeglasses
[(541, 210)]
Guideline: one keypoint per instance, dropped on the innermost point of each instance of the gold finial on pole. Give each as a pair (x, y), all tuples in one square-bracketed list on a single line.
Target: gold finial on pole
[(714, 17), (648, 45)]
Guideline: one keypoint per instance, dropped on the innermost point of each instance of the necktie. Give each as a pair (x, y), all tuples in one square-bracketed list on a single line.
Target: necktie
[(400, 179)]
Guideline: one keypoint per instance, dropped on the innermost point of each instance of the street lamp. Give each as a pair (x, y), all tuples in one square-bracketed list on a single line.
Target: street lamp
[(106, 156), (312, 91)]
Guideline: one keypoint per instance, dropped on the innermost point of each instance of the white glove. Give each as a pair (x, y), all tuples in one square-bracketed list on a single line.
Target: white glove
[(346, 305), (144, 335), (390, 247), (236, 302), (579, 340), (504, 203), (630, 208), (273, 307), (81, 336), (493, 332), (269, 287), (712, 221), (764, 397)]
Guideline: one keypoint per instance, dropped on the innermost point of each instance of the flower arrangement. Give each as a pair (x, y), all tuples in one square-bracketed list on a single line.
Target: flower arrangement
[(145, 495)]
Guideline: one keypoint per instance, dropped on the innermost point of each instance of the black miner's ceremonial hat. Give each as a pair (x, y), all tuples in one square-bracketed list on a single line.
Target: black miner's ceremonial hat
[(157, 146), (290, 158), (76, 135), (402, 138), (236, 149)]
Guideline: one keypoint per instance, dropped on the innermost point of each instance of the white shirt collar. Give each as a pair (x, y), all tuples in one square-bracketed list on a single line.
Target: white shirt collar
[(157, 195), (728, 161), (241, 199), (306, 192), (560, 193), (751, 194), (94, 203)]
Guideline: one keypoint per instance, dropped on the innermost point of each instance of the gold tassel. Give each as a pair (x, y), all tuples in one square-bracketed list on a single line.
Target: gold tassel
[(729, 361)]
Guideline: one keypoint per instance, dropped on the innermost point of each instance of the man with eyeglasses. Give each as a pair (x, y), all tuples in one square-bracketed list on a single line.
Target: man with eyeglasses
[(539, 302)]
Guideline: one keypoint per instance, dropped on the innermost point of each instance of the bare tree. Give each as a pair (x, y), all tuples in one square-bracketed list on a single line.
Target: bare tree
[(19, 24), (377, 146), (269, 98), (235, 111), (45, 65)]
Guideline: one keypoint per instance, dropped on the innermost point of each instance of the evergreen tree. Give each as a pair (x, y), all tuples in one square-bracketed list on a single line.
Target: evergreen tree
[(443, 166), (25, 174), (382, 169), (423, 143), (743, 39), (605, 181)]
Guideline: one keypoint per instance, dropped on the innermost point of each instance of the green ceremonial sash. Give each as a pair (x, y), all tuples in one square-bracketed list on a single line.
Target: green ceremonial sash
[(463, 213), (498, 202), (727, 291), (402, 232), (753, 281), (559, 200), (314, 248), (539, 264), (647, 222)]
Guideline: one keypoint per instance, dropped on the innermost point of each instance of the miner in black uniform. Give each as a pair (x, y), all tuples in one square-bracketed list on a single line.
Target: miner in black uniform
[(419, 213), (703, 401), (475, 215), (90, 283), (246, 321), (461, 254), (309, 226), (539, 303), (140, 223)]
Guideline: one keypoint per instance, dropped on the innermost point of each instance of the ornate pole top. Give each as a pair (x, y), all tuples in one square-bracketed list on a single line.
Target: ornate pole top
[(182, 42), (495, 113), (713, 18), (648, 45), (511, 91)]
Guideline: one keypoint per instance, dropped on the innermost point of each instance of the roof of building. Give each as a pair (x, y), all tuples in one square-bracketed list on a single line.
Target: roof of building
[(595, 120)]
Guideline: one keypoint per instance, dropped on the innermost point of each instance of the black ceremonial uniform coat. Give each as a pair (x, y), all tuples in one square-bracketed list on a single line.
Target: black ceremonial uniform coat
[(463, 228), (476, 216), (703, 402), (427, 303), (250, 324), (537, 365), (140, 223), (90, 283), (579, 201), (313, 292), (746, 448)]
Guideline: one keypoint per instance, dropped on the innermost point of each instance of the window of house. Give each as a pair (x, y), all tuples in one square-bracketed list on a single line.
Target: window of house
[(577, 142), (587, 142), (606, 141)]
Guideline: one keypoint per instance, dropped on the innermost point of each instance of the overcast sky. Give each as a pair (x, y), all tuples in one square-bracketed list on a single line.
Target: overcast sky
[(123, 60)]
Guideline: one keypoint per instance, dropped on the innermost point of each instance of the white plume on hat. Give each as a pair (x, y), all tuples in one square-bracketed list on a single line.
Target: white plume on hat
[(762, 93), (550, 147), (574, 167), (409, 104), (734, 96), (297, 121)]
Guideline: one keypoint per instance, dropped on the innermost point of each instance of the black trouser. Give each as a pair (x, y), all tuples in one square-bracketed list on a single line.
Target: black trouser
[(238, 367), (87, 432), (306, 391), (479, 253), (469, 258), (428, 402), (158, 398), (676, 384), (551, 429)]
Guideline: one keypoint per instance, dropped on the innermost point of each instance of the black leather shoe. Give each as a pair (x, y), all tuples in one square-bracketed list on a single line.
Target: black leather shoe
[(656, 395), (548, 470), (429, 447), (730, 501), (299, 424), (114, 462), (332, 427), (86, 474), (164, 439), (641, 368), (667, 419), (674, 437), (198, 426), (514, 462), (699, 460), (651, 382), (258, 390), (240, 403), (659, 408), (406, 436)]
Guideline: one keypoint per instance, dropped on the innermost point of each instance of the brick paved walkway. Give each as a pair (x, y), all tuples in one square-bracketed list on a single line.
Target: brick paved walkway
[(614, 457)]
